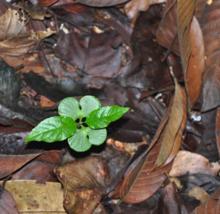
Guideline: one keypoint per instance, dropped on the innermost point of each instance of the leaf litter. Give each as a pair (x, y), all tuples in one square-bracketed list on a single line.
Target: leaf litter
[(159, 58)]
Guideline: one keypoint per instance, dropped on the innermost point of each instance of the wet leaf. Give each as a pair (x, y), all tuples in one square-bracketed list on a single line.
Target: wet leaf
[(146, 174), (83, 182), (57, 128)]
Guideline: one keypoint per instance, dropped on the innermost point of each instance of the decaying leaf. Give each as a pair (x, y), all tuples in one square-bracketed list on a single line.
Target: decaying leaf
[(7, 202), (188, 162), (83, 182), (212, 206), (32, 197), (146, 174)]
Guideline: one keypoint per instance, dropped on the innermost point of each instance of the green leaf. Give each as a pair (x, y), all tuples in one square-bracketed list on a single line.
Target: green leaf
[(102, 117), (88, 104), (79, 141), (97, 136), (69, 107), (52, 129)]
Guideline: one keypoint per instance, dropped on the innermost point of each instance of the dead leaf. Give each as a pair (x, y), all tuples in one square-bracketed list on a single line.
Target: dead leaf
[(209, 22), (180, 32), (188, 162), (199, 194), (146, 174), (83, 181), (12, 163), (217, 130), (32, 197), (212, 206), (134, 7), (101, 3), (7, 203)]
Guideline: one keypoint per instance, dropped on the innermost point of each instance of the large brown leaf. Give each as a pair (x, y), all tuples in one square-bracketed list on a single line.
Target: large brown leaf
[(209, 19), (181, 32), (146, 174)]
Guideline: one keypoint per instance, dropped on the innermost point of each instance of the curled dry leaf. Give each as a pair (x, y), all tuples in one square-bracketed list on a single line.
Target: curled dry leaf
[(210, 24), (83, 181), (180, 32), (146, 174), (188, 162), (101, 3)]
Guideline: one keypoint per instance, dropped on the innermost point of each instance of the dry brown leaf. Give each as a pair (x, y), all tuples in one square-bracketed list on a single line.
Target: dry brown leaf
[(32, 197), (212, 206), (15, 38), (11, 163), (134, 7), (83, 181), (188, 162), (209, 19), (146, 174), (179, 28), (199, 194)]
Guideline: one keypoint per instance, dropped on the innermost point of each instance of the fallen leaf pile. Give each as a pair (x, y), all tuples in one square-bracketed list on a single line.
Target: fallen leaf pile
[(158, 57)]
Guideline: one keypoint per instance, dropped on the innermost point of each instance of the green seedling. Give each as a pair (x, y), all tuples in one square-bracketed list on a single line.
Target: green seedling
[(83, 123)]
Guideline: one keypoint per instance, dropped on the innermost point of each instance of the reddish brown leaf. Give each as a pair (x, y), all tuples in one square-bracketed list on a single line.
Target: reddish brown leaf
[(146, 174), (186, 30), (209, 19), (212, 206), (11, 163)]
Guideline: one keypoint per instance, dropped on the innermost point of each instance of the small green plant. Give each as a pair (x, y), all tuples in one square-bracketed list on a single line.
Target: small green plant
[(83, 123)]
